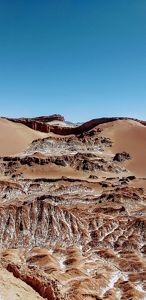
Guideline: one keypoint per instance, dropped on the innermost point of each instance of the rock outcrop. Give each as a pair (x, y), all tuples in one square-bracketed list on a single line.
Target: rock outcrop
[(121, 156)]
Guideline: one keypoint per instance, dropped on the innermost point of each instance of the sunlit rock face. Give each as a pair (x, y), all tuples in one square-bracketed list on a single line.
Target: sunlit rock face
[(72, 217)]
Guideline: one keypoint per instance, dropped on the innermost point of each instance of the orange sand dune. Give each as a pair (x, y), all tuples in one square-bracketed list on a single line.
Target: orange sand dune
[(15, 138), (129, 136)]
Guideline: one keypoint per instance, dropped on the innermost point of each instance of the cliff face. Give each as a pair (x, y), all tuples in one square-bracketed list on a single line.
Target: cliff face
[(72, 216), (43, 119), (41, 125)]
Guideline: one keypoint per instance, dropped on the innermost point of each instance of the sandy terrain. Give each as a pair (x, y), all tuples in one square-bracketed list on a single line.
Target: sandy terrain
[(12, 288), (129, 136), (15, 138), (50, 172)]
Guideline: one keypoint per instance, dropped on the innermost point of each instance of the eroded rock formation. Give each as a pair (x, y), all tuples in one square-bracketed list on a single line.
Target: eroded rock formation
[(72, 216)]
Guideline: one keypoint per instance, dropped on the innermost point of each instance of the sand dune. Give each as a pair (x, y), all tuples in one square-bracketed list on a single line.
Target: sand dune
[(129, 136), (15, 138)]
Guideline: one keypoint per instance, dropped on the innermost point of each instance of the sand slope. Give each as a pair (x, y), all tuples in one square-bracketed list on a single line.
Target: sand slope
[(129, 136), (15, 138), (14, 289)]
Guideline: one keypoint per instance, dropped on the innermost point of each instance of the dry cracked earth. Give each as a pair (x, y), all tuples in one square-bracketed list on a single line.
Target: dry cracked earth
[(72, 209)]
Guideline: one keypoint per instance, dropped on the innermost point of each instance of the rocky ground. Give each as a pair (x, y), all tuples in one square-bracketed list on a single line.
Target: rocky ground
[(72, 209)]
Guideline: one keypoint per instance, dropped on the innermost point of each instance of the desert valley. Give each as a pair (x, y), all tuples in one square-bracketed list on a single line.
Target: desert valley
[(72, 209)]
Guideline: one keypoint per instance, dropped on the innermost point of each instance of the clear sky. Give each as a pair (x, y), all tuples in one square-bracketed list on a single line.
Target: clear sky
[(81, 58)]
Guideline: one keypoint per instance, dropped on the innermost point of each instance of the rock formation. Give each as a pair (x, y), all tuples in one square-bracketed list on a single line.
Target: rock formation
[(121, 156), (40, 124)]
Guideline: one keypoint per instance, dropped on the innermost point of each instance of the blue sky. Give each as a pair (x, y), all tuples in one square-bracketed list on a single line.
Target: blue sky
[(83, 59)]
